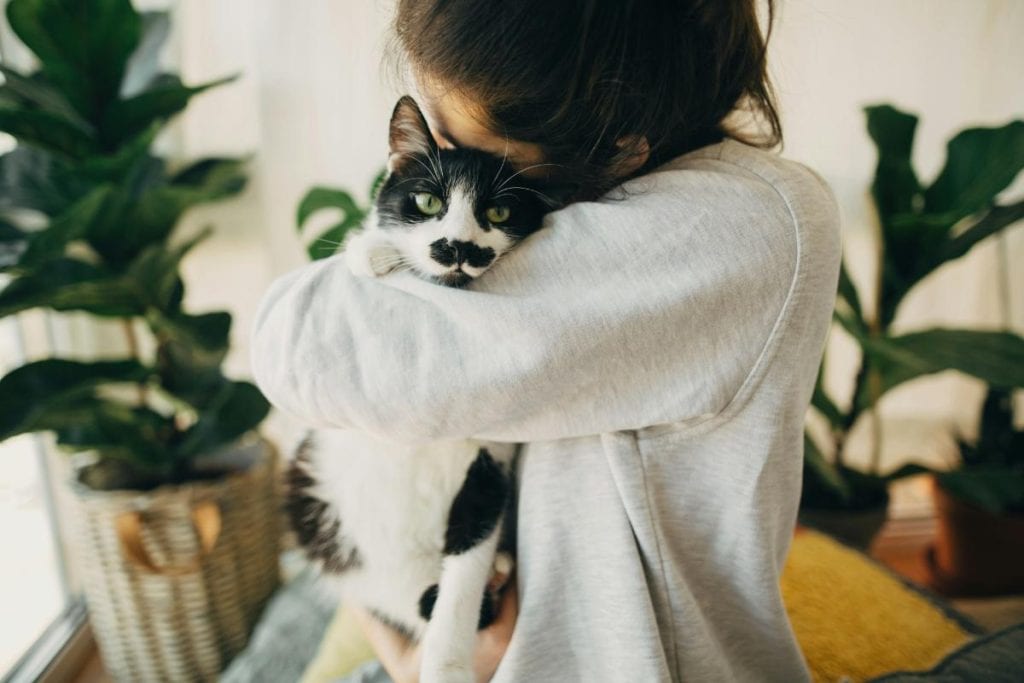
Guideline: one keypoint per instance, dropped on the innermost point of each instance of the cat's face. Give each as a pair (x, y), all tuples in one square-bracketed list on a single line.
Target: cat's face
[(451, 213)]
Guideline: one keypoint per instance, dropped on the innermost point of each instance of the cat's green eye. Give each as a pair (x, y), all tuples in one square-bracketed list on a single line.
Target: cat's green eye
[(498, 214), (428, 204)]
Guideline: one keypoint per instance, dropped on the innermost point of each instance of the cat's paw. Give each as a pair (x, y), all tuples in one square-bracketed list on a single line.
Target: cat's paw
[(501, 570), (369, 255)]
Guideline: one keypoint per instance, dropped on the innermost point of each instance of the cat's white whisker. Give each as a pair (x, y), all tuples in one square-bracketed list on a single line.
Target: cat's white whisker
[(503, 159), (431, 169), (505, 193), (522, 171)]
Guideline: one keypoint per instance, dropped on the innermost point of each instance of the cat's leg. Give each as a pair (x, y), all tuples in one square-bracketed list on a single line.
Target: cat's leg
[(471, 544), (371, 254)]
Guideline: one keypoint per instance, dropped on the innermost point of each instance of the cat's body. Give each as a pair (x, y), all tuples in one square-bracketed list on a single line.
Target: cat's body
[(412, 532), (379, 517)]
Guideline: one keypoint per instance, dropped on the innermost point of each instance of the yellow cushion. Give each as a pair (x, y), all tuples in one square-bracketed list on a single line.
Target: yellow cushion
[(851, 617)]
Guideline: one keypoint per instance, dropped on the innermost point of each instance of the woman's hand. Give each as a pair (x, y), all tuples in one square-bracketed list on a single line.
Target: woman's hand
[(492, 642), (401, 658)]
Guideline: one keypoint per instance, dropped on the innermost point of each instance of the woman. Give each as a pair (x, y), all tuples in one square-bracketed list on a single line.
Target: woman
[(654, 347)]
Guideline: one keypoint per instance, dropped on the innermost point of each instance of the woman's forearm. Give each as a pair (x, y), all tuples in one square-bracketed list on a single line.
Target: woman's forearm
[(399, 657)]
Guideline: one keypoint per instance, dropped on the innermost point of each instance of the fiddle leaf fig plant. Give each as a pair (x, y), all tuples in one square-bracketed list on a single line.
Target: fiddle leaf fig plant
[(922, 227), (83, 170)]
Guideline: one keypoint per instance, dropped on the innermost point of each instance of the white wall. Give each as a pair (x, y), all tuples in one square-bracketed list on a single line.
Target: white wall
[(312, 107)]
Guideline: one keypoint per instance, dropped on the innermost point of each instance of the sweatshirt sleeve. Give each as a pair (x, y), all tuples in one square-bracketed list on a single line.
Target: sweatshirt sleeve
[(647, 309)]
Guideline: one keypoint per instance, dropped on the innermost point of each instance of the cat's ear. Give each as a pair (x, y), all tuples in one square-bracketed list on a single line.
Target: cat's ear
[(409, 135)]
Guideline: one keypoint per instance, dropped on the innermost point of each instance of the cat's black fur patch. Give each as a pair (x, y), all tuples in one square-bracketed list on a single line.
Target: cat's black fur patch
[(488, 611), (315, 523), (427, 601), (488, 607), (478, 506), (448, 253)]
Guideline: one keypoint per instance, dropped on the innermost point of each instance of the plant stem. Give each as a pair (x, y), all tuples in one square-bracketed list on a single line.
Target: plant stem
[(876, 328), (133, 349)]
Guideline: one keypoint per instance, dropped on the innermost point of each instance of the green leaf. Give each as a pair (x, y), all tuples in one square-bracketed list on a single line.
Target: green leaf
[(66, 284), (32, 178), (238, 408), (331, 239), (123, 164), (45, 131), (209, 180), (852, 324), (47, 244), (126, 118), (40, 395), (34, 91), (998, 218), (320, 198), (848, 291), (895, 187), (154, 273), (980, 163), (190, 351), (996, 358), (995, 430), (327, 198), (212, 173), (151, 218), (911, 469), (137, 435), (820, 473), (917, 224), (377, 183), (823, 403), (83, 45)]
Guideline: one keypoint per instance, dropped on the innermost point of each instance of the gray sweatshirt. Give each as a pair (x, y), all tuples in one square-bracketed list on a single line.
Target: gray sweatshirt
[(655, 351)]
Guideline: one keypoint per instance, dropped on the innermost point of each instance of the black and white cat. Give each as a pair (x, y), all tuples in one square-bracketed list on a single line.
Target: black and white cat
[(420, 535)]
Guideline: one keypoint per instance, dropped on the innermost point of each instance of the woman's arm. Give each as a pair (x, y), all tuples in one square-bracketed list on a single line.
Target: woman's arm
[(401, 658), (617, 315)]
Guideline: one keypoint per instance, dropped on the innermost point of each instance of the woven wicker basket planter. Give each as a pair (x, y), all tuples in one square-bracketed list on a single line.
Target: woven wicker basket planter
[(176, 577)]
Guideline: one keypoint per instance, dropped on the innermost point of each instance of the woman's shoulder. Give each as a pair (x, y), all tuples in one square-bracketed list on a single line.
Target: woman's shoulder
[(734, 175), (724, 201), (733, 201), (737, 179)]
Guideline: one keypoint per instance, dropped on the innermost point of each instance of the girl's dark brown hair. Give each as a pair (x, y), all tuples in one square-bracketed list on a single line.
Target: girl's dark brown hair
[(588, 79)]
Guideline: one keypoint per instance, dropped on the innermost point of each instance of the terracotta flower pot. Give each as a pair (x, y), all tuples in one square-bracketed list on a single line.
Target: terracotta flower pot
[(975, 551)]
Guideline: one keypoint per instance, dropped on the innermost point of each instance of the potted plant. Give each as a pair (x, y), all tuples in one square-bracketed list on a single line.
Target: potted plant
[(176, 514), (980, 506), (921, 228)]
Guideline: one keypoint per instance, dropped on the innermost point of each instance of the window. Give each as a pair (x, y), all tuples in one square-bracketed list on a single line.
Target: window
[(42, 610)]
